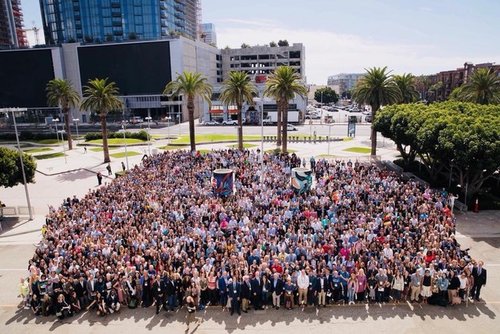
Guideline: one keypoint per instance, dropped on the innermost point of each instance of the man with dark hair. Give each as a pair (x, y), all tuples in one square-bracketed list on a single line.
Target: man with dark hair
[(257, 291), (479, 274), (234, 292), (276, 290)]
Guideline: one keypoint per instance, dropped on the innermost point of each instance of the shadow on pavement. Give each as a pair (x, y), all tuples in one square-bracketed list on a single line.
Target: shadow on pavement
[(230, 323)]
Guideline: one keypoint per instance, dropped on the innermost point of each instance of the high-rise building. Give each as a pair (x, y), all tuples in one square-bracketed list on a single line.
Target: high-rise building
[(95, 21), (344, 81), (12, 34), (208, 34)]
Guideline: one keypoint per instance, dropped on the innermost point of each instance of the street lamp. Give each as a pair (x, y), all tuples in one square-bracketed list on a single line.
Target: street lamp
[(56, 120), (62, 142), (76, 120), (13, 110), (149, 135), (125, 140), (168, 129)]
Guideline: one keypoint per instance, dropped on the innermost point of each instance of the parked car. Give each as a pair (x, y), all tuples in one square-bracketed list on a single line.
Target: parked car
[(230, 122), (136, 120), (209, 123), (291, 127)]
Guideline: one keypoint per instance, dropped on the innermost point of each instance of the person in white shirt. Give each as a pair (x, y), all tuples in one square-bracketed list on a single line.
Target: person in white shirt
[(303, 284)]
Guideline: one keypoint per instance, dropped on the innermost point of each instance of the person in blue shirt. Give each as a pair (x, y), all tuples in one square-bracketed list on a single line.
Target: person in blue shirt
[(344, 274), (222, 286)]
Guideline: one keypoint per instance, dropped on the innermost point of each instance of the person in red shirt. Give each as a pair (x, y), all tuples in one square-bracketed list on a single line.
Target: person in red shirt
[(276, 267)]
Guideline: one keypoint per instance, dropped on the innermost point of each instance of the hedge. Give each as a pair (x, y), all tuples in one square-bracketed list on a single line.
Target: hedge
[(142, 135)]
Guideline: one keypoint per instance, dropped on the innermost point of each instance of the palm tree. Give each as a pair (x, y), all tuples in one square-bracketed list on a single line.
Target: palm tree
[(190, 84), (482, 87), (283, 85), (101, 97), (377, 88), (237, 89), (407, 86), (61, 93)]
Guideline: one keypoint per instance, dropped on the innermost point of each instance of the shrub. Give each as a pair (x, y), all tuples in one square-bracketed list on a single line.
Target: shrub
[(141, 135)]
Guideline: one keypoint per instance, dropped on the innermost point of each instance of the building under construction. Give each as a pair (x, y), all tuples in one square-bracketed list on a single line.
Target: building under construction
[(12, 34)]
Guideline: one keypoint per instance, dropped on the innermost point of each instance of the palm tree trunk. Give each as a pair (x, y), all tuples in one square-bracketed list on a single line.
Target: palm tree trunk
[(104, 130), (240, 128), (190, 107), (68, 129), (374, 132), (278, 142), (284, 109)]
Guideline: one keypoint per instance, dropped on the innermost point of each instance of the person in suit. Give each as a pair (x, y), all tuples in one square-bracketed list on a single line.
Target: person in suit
[(479, 274), (246, 293), (320, 288), (91, 288), (277, 286), (234, 292), (80, 287), (158, 289), (169, 291), (256, 284), (223, 288)]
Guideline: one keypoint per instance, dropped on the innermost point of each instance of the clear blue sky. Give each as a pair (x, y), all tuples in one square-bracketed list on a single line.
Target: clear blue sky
[(423, 36)]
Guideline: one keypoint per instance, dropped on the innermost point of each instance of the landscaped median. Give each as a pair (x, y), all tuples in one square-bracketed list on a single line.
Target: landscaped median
[(118, 141), (362, 150)]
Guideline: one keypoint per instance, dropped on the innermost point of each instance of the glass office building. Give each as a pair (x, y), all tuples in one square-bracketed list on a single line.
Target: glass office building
[(96, 21)]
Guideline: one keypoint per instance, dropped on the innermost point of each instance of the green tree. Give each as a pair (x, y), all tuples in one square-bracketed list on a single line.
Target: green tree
[(273, 44), (282, 85), (422, 84), (482, 87), (61, 93), (238, 89), (377, 88), (435, 90), (245, 46), (191, 85), (326, 95), (101, 97), (453, 140), (10, 167), (283, 42), (456, 94), (407, 87)]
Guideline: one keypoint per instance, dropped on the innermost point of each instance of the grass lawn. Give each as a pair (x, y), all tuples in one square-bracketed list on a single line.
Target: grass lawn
[(347, 138), (48, 156), (158, 136), (245, 145), (118, 141), (364, 150), (123, 155), (37, 150), (326, 156), (204, 151), (100, 149), (208, 138), (170, 147)]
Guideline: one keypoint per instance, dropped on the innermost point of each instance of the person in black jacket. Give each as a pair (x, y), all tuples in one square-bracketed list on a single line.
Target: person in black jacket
[(277, 286), (170, 293), (112, 303), (80, 287), (257, 291), (246, 293), (479, 274), (158, 290), (234, 292), (63, 309), (321, 288)]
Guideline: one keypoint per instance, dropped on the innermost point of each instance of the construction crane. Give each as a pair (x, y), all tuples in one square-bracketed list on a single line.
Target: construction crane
[(35, 29)]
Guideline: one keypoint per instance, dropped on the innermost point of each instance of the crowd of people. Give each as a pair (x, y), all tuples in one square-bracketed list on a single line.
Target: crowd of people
[(158, 236)]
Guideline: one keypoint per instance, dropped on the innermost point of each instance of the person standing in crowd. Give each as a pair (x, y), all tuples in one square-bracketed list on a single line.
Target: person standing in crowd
[(415, 286), (361, 285), (398, 286), (99, 178), (234, 293), (158, 289), (479, 274), (108, 168), (256, 285), (426, 291), (303, 284), (191, 311), (246, 293), (123, 166), (320, 288), (277, 286), (222, 287), (289, 289)]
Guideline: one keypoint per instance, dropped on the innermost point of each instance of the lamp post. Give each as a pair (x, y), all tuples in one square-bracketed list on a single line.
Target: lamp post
[(125, 140), (64, 148), (168, 130), (149, 134), (56, 120), (76, 120), (13, 110)]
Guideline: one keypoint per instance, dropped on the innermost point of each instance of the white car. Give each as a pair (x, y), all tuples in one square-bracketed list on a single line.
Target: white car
[(291, 127), (230, 122)]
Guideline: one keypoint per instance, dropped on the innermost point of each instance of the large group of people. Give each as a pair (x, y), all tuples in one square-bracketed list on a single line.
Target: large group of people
[(159, 236)]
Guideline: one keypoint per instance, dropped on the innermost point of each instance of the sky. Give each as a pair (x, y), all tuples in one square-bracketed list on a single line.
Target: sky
[(417, 36)]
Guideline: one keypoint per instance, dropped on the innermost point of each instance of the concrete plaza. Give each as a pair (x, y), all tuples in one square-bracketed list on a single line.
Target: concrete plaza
[(57, 180)]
